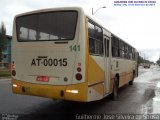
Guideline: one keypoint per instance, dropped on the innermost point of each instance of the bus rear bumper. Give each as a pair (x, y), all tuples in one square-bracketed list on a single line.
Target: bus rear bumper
[(77, 92)]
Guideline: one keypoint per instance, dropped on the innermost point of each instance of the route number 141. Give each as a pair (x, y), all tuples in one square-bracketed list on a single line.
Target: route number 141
[(74, 48)]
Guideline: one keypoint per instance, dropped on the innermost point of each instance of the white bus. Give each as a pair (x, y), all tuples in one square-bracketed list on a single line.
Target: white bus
[(62, 53)]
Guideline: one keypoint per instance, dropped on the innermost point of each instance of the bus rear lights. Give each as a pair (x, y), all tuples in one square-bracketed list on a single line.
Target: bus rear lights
[(13, 73), (43, 78), (16, 86), (79, 64), (78, 76), (13, 65), (72, 91), (79, 69)]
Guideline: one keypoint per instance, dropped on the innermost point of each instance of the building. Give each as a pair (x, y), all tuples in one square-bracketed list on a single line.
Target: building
[(6, 54)]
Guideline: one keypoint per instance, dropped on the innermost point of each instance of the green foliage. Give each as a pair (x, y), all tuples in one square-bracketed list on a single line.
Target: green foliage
[(5, 73), (158, 61), (2, 39), (140, 59)]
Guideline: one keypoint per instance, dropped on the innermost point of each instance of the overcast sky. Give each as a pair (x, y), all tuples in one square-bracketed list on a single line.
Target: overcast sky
[(138, 25)]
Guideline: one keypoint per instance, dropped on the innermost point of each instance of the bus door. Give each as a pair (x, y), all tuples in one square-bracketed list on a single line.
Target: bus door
[(107, 63)]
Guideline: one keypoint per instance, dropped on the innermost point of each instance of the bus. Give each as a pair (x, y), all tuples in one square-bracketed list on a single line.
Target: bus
[(63, 53)]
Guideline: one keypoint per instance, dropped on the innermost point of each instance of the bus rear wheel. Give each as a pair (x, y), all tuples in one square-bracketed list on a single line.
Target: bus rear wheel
[(131, 82), (114, 94)]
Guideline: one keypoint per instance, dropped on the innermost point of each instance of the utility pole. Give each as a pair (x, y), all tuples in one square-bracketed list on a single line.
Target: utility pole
[(97, 10)]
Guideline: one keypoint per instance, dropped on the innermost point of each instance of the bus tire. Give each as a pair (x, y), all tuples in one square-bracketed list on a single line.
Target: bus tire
[(131, 82), (114, 94), (54, 99)]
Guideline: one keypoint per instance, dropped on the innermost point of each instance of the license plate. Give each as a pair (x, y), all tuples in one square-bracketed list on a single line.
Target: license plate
[(43, 78)]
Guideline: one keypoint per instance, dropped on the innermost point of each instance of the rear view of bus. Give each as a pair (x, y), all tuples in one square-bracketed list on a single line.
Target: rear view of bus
[(48, 54)]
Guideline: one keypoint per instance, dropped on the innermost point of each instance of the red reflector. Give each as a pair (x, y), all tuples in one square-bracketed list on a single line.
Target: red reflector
[(43, 78), (78, 76)]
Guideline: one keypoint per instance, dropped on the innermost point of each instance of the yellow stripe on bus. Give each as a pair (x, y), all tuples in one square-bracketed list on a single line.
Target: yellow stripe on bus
[(52, 91), (95, 72)]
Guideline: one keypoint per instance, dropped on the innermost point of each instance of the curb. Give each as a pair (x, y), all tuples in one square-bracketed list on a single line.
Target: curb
[(5, 78)]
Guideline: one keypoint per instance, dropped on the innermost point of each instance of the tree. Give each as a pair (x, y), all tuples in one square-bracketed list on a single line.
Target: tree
[(158, 61), (2, 39), (140, 59)]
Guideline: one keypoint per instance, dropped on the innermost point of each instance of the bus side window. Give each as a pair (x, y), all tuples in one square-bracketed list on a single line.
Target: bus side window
[(107, 48), (91, 46), (95, 34), (115, 46)]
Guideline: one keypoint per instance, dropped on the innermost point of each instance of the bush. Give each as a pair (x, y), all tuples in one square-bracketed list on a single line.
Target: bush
[(5, 73)]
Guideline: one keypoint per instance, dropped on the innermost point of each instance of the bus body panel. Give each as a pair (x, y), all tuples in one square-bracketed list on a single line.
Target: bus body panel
[(52, 59), (124, 68), (56, 60), (41, 63), (96, 78), (52, 68), (51, 91)]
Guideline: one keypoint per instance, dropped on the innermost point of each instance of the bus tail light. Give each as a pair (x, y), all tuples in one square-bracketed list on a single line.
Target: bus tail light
[(78, 76), (72, 91), (79, 69), (16, 85), (43, 78), (79, 64), (13, 73), (13, 66)]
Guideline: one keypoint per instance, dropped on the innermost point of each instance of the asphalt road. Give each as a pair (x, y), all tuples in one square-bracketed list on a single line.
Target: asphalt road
[(135, 99)]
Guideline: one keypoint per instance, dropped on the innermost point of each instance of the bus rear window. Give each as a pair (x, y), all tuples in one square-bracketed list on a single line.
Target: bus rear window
[(47, 26)]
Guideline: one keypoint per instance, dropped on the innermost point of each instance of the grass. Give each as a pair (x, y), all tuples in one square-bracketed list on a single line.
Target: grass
[(5, 73)]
